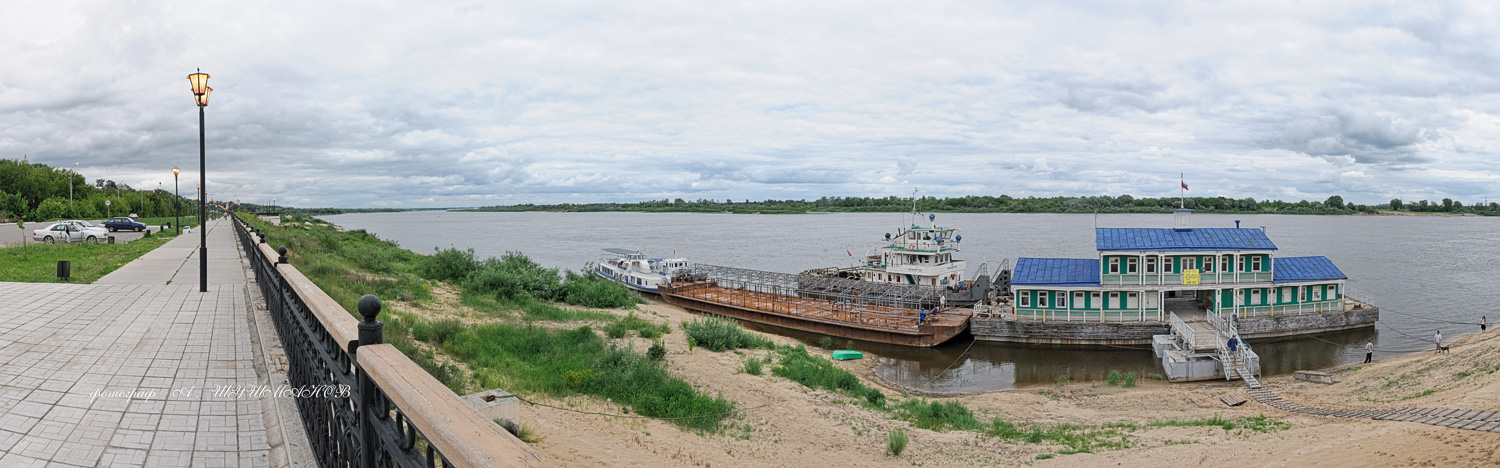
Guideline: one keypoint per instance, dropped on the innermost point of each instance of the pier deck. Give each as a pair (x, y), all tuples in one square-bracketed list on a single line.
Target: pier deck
[(844, 319)]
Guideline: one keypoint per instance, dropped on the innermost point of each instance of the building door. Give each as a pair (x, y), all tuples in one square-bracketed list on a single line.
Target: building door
[(1151, 300)]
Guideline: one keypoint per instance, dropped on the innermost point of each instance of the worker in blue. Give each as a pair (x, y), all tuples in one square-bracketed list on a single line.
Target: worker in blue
[(923, 317), (1234, 343)]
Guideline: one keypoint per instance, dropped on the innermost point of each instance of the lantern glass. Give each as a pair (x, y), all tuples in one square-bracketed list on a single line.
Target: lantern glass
[(203, 98), (175, 171), (200, 83)]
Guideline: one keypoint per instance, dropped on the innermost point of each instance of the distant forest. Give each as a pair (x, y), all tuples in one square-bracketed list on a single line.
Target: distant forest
[(1006, 204)]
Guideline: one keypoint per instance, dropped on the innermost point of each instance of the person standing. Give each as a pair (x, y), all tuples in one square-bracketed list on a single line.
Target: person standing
[(943, 301), (1482, 323), (1437, 339), (1369, 349)]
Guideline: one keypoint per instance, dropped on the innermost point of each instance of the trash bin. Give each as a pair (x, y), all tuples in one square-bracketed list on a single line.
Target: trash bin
[(111, 239), (64, 269)]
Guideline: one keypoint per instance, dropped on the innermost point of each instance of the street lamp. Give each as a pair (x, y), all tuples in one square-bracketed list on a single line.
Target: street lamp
[(176, 200), (201, 92), (70, 187)]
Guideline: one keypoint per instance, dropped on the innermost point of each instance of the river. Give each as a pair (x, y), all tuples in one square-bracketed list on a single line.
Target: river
[(1426, 273)]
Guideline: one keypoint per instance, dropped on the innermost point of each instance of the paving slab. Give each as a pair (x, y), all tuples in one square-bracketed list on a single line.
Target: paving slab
[(176, 262)]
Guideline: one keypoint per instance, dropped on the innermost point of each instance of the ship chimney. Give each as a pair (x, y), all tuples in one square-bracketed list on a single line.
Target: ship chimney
[(1182, 216)]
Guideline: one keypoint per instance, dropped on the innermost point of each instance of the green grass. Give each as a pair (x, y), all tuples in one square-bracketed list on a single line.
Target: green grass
[(1077, 438), (1113, 378), (643, 328), (37, 263), (896, 443), (1252, 423), (722, 334), (935, 415), (755, 366), (1129, 380), (820, 373)]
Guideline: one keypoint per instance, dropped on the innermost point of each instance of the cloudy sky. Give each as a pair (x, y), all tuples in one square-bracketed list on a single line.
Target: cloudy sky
[(421, 104)]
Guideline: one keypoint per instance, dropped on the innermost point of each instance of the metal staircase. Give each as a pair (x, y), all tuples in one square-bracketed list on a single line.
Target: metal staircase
[(1237, 362)]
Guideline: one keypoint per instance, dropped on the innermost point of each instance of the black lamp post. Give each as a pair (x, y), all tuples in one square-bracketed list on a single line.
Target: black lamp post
[(200, 95), (176, 207)]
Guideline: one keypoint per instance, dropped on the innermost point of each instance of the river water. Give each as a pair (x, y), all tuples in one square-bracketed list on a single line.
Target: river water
[(1426, 273)]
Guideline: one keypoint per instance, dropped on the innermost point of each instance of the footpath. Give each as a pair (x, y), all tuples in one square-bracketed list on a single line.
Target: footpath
[(136, 369)]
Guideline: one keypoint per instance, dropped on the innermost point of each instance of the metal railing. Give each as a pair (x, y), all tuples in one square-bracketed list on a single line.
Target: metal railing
[(383, 409), (1083, 315)]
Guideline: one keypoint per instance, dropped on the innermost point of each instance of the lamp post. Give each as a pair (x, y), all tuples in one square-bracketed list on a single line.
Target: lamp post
[(70, 188), (201, 92), (176, 200)]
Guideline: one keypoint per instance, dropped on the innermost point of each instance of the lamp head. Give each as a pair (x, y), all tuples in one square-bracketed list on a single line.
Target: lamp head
[(200, 83), (176, 171), (202, 99)]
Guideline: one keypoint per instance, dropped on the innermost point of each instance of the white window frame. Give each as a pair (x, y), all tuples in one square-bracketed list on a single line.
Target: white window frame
[(1255, 263), (1114, 265), (1225, 261), (1078, 298), (1131, 265), (1317, 293), (1242, 263), (1025, 298), (1151, 265), (1041, 299), (1208, 265), (1166, 265), (1189, 263), (1098, 300), (1062, 299), (1255, 297), (1302, 294)]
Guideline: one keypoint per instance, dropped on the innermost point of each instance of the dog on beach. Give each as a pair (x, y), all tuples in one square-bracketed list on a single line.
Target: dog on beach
[(1442, 349)]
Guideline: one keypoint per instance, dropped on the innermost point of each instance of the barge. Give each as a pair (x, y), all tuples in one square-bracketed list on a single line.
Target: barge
[(847, 309)]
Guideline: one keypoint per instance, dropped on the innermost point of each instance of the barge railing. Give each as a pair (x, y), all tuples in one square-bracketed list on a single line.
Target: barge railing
[(374, 406), (854, 292)]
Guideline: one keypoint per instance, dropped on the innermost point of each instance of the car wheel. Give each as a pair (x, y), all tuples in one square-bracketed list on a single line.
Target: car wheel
[(47, 240), (93, 240), (138, 229), (111, 229)]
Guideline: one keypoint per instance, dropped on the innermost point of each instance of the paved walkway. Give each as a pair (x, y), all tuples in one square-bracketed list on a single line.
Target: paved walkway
[(1474, 420), (118, 374)]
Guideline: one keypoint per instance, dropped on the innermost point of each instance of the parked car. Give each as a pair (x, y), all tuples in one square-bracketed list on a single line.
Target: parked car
[(68, 232), (123, 223)]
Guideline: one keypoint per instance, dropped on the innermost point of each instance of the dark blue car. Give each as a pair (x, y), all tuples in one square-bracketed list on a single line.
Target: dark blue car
[(123, 223)]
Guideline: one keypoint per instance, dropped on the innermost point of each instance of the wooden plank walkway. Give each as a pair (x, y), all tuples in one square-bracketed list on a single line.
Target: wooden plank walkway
[(1473, 420)]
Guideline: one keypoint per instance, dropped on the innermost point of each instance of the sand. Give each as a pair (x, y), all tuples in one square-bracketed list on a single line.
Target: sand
[(787, 424)]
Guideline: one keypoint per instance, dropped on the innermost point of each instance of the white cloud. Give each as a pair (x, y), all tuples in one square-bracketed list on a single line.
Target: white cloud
[(448, 103)]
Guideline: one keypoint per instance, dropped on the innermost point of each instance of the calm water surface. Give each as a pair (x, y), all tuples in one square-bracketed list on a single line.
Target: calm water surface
[(1426, 273)]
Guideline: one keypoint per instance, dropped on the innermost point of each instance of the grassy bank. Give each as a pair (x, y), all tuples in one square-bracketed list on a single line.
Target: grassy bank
[(515, 332), (37, 263)]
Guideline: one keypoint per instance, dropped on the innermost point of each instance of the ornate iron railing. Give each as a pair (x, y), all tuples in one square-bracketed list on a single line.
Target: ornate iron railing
[(370, 405)]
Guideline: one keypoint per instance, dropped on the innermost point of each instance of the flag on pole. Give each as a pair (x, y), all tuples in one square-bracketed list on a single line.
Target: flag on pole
[(850, 252), (1184, 186)]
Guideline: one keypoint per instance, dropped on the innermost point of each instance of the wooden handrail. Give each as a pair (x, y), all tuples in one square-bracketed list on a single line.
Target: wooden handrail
[(447, 422), (343, 327)]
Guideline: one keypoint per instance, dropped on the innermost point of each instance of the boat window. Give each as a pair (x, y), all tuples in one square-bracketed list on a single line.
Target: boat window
[(1255, 263), (1318, 293), (1132, 301), (1166, 264), (1041, 298), (1062, 300), (1025, 298), (1150, 264), (1130, 265), (1208, 264), (1114, 265), (1242, 263), (1302, 297), (1189, 263)]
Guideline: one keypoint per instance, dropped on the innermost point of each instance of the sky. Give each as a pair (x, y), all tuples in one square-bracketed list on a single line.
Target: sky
[(449, 104)]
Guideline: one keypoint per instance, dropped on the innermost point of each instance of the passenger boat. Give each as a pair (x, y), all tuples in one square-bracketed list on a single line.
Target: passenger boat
[(921, 255), (637, 272)]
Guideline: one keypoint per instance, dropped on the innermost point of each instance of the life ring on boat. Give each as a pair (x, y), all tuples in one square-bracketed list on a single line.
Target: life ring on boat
[(911, 247)]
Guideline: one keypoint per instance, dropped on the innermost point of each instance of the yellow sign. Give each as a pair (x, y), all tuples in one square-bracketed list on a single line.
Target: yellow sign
[(1190, 277)]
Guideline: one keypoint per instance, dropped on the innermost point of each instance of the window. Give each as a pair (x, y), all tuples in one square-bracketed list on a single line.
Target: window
[(1166, 264), (1189, 263), (1208, 264), (1242, 263), (1062, 300), (1224, 262), (1150, 265), (1114, 300), (1130, 265), (1114, 265), (1280, 295), (1255, 263), (1303, 296), (1025, 298), (1041, 298), (1317, 293)]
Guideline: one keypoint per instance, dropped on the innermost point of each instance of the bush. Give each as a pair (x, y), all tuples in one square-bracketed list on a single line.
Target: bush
[(448, 265), (754, 366), (644, 328), (513, 275), (896, 443), (587, 291), (657, 351), (616, 330), (826, 342), (437, 332), (721, 334), (1129, 380), (1113, 378), (818, 372)]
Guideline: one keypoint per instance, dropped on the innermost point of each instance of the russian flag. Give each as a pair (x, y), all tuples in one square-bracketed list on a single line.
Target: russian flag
[(1184, 186)]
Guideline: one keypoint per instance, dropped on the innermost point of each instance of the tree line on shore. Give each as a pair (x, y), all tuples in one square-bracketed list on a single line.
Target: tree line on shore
[(1007, 204), (38, 192)]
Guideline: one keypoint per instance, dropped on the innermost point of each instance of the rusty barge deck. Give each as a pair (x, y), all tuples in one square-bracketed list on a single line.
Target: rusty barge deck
[(781, 307)]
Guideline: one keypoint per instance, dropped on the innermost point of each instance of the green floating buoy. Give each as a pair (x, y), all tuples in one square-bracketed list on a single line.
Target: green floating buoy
[(845, 355)]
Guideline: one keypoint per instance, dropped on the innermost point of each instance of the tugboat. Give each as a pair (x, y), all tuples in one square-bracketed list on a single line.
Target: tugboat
[(919, 256), (632, 269)]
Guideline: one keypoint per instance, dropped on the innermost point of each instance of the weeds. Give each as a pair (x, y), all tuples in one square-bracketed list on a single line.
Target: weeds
[(1113, 378), (896, 443), (1062, 380), (818, 372), (721, 334), (754, 366), (934, 415), (1129, 380)]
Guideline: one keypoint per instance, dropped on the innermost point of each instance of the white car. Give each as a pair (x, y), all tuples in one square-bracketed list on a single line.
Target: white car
[(69, 232)]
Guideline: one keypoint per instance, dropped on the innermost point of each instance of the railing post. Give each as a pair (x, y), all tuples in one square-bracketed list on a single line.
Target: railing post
[(281, 255), (370, 333)]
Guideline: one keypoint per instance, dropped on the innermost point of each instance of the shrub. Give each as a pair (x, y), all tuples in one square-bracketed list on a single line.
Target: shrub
[(1062, 380), (587, 291), (826, 342), (874, 397), (721, 334), (616, 330), (896, 443), (1129, 380), (1113, 378), (513, 274), (657, 351), (448, 265), (437, 332), (817, 372)]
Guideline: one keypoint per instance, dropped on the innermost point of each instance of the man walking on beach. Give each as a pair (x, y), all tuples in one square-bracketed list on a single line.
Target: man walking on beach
[(1482, 323), (1438, 340), (1369, 349)]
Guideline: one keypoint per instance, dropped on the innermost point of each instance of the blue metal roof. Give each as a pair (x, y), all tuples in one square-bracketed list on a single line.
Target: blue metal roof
[(1299, 269), (1182, 239), (1056, 272)]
